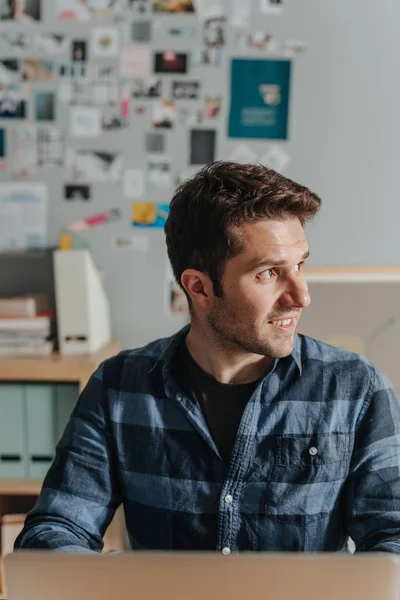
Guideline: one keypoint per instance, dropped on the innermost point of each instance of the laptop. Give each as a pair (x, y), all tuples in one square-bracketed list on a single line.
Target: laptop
[(200, 576)]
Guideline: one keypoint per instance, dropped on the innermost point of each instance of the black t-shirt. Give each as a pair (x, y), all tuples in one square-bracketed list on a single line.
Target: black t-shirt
[(222, 404)]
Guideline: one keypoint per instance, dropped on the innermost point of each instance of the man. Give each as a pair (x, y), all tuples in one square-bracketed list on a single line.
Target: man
[(235, 434)]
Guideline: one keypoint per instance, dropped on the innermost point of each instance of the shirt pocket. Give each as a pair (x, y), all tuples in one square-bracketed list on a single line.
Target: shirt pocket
[(307, 478)]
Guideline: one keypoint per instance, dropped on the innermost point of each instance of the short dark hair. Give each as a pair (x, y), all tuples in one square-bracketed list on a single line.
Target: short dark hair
[(206, 213)]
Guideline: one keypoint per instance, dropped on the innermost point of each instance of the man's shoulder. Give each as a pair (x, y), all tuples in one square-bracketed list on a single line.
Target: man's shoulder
[(316, 350), (138, 359)]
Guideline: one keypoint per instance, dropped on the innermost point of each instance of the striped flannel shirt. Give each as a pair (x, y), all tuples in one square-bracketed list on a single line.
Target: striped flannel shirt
[(316, 460)]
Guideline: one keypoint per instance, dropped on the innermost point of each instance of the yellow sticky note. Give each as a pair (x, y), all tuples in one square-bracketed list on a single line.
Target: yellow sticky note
[(143, 213)]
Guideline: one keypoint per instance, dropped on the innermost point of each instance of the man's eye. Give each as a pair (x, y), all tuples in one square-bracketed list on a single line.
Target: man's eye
[(299, 267), (267, 274)]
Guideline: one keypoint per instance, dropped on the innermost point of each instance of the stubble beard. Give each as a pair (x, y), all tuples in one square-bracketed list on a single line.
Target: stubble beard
[(236, 333)]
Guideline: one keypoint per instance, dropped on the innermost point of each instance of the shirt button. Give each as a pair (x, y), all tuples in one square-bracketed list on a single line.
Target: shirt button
[(228, 498), (313, 451), (226, 551)]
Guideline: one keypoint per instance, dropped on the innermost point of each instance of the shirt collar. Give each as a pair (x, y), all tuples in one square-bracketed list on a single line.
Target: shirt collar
[(168, 352)]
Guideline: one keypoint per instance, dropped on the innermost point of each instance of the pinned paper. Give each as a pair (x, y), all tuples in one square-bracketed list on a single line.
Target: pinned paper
[(134, 183), (105, 42), (135, 61), (38, 70), (85, 122), (23, 216), (137, 243), (149, 214), (241, 13), (276, 158), (51, 43), (94, 166), (24, 156), (159, 171), (208, 9)]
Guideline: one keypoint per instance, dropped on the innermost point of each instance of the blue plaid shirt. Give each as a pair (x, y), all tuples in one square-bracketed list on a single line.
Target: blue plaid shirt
[(316, 459)]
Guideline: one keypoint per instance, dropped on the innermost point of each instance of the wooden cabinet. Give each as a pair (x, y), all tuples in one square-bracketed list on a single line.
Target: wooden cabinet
[(37, 396)]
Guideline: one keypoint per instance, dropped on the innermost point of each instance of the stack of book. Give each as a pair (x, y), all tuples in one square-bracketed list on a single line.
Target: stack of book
[(25, 326)]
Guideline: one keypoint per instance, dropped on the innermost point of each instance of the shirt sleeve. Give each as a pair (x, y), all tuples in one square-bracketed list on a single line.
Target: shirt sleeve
[(80, 493), (372, 489)]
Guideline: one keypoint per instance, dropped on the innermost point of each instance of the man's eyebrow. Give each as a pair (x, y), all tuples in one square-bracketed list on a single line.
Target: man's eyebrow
[(270, 262)]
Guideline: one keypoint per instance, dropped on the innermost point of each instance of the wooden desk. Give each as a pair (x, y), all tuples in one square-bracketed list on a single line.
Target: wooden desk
[(71, 369), (19, 495)]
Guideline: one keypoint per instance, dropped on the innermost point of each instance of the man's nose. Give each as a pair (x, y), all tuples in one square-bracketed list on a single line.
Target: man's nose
[(296, 294)]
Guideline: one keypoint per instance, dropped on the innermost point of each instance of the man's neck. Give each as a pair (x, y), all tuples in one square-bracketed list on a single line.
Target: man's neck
[(226, 365)]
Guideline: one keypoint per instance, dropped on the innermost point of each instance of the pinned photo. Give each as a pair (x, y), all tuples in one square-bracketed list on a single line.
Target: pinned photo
[(164, 114), (14, 42), (112, 123), (51, 43), (271, 7), (140, 31), (78, 10), (202, 146), (50, 146), (155, 142), (88, 85), (94, 166), (212, 106), (173, 6), (190, 116), (149, 214), (170, 62), (207, 57), (146, 88), (24, 153), (79, 51), (159, 172), (185, 90), (23, 12), (13, 101), (77, 192), (45, 106), (105, 42), (214, 34), (139, 7), (9, 71), (3, 147), (258, 40), (38, 70)]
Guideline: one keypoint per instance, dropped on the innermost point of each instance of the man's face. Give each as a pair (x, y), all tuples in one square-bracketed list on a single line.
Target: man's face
[(263, 287)]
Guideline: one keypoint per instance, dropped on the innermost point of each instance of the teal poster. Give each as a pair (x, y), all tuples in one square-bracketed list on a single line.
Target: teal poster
[(260, 91)]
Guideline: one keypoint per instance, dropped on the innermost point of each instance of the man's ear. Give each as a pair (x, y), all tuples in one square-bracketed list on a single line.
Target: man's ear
[(199, 287)]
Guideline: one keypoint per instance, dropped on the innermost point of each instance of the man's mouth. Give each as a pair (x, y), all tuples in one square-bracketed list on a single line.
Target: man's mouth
[(284, 324)]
